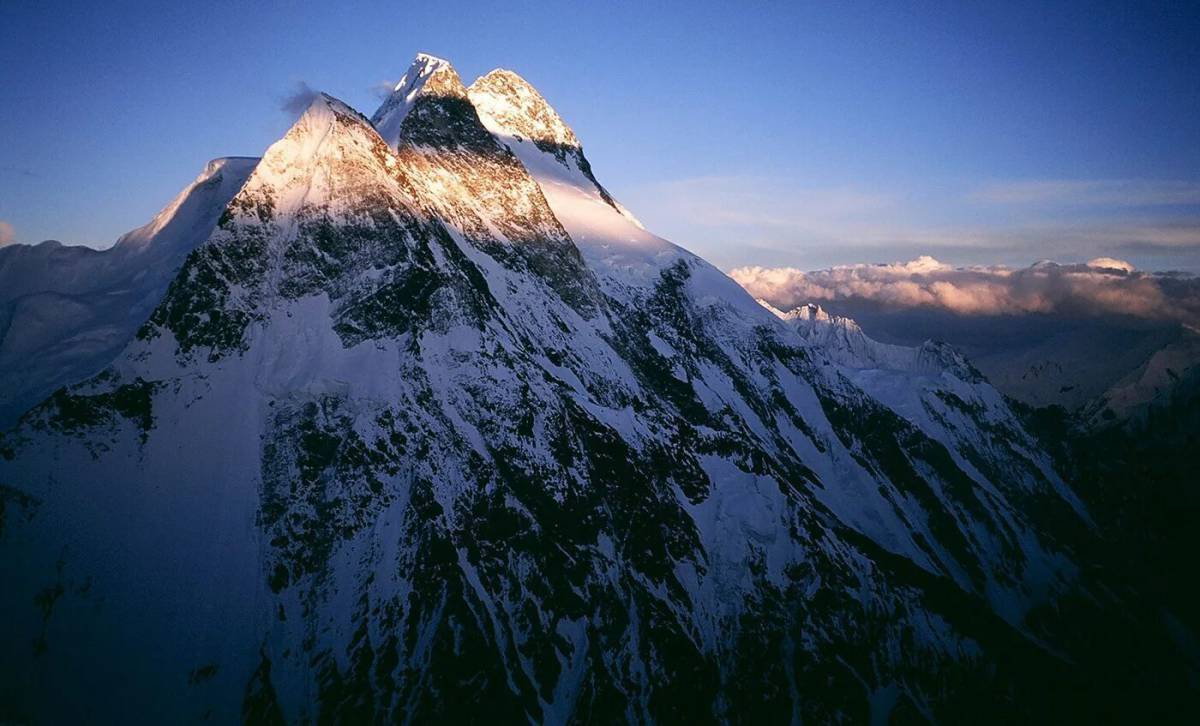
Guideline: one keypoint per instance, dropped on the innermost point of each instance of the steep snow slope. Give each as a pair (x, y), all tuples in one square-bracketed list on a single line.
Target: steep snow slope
[(396, 446), (65, 312), (626, 257), (617, 247), (931, 385)]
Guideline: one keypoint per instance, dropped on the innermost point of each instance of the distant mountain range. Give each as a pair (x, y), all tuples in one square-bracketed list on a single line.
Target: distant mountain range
[(1102, 368)]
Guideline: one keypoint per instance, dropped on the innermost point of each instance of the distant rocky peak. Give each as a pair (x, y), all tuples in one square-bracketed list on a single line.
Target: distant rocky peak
[(811, 316), (844, 342), (840, 333), (811, 311)]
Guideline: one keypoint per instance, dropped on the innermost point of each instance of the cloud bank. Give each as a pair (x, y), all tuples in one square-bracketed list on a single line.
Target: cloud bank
[(7, 233), (1102, 286)]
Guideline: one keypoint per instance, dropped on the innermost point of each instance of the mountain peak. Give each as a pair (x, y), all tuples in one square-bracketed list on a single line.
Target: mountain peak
[(456, 440), (513, 110), (430, 60), (813, 312), (809, 314), (813, 322), (505, 80), (511, 106), (301, 166), (323, 106), (427, 74), (323, 113)]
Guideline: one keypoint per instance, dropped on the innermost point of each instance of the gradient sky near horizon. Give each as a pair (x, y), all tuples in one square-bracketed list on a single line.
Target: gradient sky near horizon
[(800, 134)]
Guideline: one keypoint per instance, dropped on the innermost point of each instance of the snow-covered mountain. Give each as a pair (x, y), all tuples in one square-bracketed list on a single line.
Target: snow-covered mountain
[(845, 342), (428, 426), (1103, 369), (1169, 371)]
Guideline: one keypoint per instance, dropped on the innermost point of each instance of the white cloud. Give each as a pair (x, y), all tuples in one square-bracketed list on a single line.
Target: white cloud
[(1102, 286), (7, 233), (383, 89)]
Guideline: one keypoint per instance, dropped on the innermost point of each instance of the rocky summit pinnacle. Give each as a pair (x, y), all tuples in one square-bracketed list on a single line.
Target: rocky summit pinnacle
[(516, 107), (425, 427), (468, 177), (426, 74)]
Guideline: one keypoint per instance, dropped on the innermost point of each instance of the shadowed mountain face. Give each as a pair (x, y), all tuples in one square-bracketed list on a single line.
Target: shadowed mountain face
[(428, 427)]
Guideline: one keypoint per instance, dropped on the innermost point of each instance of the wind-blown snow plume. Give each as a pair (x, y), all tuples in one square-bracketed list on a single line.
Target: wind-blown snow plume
[(298, 99), (1101, 286)]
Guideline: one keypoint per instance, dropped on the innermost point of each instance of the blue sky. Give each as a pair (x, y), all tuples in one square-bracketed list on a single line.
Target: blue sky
[(753, 133)]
